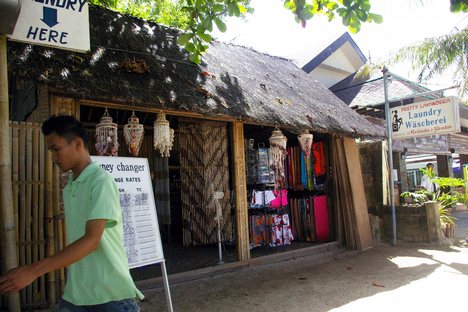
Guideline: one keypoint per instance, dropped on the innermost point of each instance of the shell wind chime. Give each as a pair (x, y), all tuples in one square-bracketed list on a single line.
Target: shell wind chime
[(278, 152), (107, 143), (163, 135), (133, 134), (305, 141)]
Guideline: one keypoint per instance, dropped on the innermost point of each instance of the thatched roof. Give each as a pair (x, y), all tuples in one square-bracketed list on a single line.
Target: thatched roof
[(232, 81)]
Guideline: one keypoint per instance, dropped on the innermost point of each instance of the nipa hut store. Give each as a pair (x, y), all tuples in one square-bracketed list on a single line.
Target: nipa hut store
[(288, 184)]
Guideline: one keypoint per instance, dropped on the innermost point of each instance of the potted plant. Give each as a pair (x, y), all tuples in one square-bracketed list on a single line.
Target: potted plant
[(446, 195)]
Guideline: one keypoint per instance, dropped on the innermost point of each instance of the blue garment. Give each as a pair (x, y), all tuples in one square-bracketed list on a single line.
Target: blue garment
[(304, 177), (126, 305)]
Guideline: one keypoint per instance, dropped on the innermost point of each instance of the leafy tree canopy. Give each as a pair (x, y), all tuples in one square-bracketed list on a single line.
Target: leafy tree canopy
[(198, 17)]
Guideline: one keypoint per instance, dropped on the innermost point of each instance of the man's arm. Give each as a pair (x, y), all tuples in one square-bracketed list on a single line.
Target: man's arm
[(22, 276)]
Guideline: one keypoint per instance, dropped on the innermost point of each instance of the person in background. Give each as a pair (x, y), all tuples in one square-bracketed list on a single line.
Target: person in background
[(98, 277), (426, 180)]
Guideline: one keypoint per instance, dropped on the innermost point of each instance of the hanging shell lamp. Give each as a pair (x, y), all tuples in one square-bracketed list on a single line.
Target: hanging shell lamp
[(277, 151), (133, 134), (163, 135), (305, 141), (107, 142)]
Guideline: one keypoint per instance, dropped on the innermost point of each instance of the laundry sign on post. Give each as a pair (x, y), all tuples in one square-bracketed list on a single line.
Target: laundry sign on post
[(142, 239), (434, 117), (62, 24)]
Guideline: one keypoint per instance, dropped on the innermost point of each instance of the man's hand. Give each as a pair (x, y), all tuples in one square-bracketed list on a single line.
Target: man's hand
[(17, 278), (21, 277)]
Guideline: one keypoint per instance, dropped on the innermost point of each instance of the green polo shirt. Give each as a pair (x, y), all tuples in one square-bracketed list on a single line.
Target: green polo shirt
[(103, 275)]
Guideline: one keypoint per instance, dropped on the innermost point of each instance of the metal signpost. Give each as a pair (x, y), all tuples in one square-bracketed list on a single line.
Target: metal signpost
[(390, 155)]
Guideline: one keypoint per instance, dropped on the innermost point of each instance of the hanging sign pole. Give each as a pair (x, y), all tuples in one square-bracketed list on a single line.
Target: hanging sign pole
[(390, 155)]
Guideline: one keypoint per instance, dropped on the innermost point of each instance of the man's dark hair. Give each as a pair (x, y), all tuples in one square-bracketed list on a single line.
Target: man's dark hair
[(429, 164), (67, 127)]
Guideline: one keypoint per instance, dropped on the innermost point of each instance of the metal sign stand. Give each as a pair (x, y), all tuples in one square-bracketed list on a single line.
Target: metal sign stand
[(166, 286)]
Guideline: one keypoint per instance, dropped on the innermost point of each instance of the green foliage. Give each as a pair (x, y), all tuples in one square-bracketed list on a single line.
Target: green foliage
[(445, 195), (458, 6), (352, 12), (434, 56), (165, 12)]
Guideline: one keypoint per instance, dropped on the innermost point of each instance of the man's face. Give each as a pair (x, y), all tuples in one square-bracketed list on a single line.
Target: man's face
[(64, 153), (430, 168)]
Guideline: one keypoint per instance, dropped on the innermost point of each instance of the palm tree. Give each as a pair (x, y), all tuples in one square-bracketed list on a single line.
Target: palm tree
[(434, 56)]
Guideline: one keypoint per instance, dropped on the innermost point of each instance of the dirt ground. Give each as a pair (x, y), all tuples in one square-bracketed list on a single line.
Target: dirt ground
[(406, 277)]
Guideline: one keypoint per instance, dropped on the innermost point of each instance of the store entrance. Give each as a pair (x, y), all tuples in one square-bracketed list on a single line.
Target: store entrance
[(183, 184), (292, 211)]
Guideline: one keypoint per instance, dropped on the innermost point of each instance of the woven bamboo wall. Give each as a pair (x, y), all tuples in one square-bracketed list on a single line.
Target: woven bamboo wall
[(204, 169)]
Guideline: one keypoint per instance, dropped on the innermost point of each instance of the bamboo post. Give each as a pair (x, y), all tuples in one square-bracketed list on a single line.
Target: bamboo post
[(15, 173), (22, 204), (35, 207), (58, 216), (28, 206), (51, 281), (10, 258), (42, 224)]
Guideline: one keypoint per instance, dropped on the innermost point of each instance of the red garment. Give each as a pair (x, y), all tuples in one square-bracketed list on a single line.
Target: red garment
[(321, 218), (319, 157)]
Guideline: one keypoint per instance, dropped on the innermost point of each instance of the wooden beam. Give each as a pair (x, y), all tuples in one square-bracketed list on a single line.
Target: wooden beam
[(240, 192), (155, 110), (358, 194)]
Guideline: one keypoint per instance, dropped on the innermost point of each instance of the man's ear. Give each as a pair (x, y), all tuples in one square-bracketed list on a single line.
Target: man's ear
[(79, 144)]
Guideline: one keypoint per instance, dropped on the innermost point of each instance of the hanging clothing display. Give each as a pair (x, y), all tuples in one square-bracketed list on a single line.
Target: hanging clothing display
[(302, 214), (310, 220), (299, 170), (271, 229)]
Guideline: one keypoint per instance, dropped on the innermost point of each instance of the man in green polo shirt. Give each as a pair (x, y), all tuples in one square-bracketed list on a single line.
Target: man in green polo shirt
[(98, 278)]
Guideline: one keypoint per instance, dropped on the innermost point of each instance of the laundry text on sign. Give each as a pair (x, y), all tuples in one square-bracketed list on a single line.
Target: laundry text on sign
[(74, 5)]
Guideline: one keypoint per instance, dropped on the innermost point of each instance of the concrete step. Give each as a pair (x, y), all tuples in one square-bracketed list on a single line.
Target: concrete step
[(310, 255)]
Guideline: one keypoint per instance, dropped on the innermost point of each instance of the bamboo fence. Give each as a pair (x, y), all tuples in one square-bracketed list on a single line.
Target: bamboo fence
[(38, 213)]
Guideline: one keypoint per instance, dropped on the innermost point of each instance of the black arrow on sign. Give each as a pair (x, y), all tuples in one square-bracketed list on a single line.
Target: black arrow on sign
[(49, 16)]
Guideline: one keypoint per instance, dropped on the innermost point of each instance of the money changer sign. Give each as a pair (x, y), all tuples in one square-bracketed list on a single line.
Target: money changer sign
[(62, 24), (439, 116)]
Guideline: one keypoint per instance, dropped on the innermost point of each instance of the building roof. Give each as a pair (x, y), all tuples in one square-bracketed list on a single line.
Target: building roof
[(136, 62), (367, 96), (339, 60)]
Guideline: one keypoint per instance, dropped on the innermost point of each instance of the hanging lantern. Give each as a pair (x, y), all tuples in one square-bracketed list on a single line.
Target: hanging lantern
[(277, 152), (133, 134), (107, 143), (163, 135), (305, 140)]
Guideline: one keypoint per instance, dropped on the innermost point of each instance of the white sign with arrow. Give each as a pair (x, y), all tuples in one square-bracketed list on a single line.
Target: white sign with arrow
[(62, 24)]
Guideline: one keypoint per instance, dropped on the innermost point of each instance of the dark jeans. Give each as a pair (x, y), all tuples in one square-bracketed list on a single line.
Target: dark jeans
[(126, 305)]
